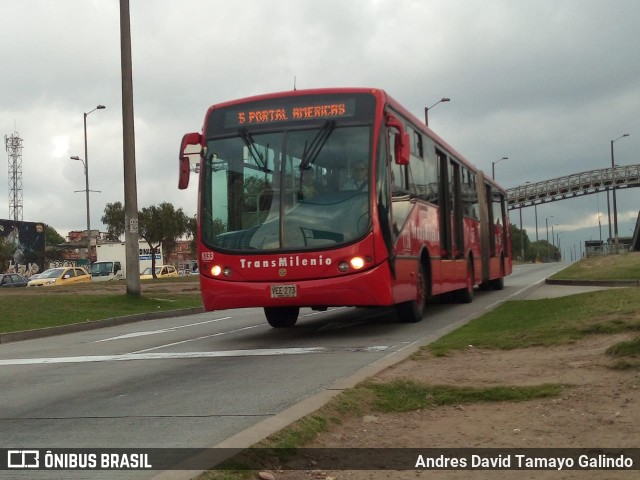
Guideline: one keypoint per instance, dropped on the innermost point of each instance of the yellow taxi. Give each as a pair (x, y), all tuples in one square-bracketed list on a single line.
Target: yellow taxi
[(61, 276), (163, 271)]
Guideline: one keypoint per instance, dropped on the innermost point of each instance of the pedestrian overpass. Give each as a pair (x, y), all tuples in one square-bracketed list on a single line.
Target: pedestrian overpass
[(575, 185)]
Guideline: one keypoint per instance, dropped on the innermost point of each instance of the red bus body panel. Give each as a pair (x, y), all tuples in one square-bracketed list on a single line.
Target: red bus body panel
[(367, 288)]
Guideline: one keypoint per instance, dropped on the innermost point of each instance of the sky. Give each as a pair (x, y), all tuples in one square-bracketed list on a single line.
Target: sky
[(546, 83)]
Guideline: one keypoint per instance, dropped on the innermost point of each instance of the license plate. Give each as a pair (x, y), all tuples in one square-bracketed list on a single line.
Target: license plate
[(283, 291)]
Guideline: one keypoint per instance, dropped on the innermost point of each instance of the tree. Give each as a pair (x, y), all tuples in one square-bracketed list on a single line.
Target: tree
[(52, 242), (114, 219), (52, 237), (519, 236), (157, 225), (161, 225)]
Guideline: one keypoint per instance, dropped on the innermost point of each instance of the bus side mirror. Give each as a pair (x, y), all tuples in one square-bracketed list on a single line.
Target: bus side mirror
[(402, 148), (183, 158), (401, 141)]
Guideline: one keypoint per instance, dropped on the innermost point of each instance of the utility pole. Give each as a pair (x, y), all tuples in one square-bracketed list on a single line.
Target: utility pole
[(129, 154)]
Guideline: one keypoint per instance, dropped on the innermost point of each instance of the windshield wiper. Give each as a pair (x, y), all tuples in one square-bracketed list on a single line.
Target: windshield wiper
[(253, 150), (312, 150)]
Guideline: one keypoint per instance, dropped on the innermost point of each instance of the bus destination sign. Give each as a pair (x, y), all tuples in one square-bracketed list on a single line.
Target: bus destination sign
[(262, 114)]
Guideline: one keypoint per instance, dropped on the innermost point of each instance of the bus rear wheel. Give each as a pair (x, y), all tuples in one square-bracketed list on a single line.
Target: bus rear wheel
[(498, 283), (465, 295), (281, 317), (413, 311)]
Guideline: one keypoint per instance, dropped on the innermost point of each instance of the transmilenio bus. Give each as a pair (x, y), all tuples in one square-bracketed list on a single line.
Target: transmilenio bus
[(338, 197)]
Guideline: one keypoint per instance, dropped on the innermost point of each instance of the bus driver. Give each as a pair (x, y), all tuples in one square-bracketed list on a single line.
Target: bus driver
[(359, 179)]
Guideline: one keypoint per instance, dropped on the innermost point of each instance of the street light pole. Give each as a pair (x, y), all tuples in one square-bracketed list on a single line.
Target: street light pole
[(426, 109), (558, 246), (600, 228), (615, 207), (493, 167), (553, 240), (85, 162), (535, 207), (86, 190), (546, 221)]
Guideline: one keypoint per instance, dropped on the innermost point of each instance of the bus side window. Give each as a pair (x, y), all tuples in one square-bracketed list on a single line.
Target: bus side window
[(469, 194), (416, 172), (416, 144)]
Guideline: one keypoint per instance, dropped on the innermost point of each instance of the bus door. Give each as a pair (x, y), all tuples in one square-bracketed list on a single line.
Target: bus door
[(455, 199), (492, 219), (446, 243), (486, 224), (499, 220)]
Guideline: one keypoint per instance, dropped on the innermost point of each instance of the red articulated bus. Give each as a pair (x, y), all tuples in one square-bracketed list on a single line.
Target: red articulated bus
[(338, 197)]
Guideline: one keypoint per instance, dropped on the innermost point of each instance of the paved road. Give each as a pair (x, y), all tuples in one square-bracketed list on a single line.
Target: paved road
[(200, 380)]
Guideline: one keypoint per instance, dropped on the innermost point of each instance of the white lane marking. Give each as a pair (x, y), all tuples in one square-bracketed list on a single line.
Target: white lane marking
[(198, 338), (162, 356), (378, 348), (260, 352), (155, 332)]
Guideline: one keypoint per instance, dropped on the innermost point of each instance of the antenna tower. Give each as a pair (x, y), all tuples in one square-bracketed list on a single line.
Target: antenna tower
[(13, 144)]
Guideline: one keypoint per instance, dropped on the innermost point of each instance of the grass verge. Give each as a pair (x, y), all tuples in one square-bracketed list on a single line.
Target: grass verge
[(626, 354), (398, 396), (554, 321), (607, 267), (41, 311)]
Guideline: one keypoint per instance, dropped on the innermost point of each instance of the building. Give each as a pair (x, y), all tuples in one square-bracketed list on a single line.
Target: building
[(594, 248)]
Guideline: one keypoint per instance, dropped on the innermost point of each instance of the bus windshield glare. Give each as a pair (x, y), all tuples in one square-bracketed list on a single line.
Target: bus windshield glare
[(288, 188)]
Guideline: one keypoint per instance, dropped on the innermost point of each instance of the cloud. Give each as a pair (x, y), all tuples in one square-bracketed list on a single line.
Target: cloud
[(547, 83)]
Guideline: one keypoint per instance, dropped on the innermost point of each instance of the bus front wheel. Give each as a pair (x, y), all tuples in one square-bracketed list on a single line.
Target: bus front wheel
[(281, 317)]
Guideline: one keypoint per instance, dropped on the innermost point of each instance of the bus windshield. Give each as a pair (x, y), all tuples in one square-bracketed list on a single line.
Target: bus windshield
[(289, 189)]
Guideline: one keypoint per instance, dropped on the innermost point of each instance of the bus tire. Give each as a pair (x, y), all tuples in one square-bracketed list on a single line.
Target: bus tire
[(413, 311), (498, 283), (281, 317), (465, 295)]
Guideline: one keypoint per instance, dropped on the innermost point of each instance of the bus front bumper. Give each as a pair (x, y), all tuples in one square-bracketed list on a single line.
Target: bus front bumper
[(369, 288)]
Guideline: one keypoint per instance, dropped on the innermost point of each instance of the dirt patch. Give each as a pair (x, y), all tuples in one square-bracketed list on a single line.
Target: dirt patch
[(600, 407)]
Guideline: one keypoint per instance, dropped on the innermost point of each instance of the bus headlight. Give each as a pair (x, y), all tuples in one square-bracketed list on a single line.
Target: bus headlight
[(357, 263), (217, 270)]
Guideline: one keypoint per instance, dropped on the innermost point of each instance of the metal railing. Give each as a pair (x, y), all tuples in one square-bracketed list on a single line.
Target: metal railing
[(574, 185)]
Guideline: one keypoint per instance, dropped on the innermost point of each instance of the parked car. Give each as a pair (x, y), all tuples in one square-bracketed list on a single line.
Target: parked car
[(164, 271), (61, 276), (8, 280)]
